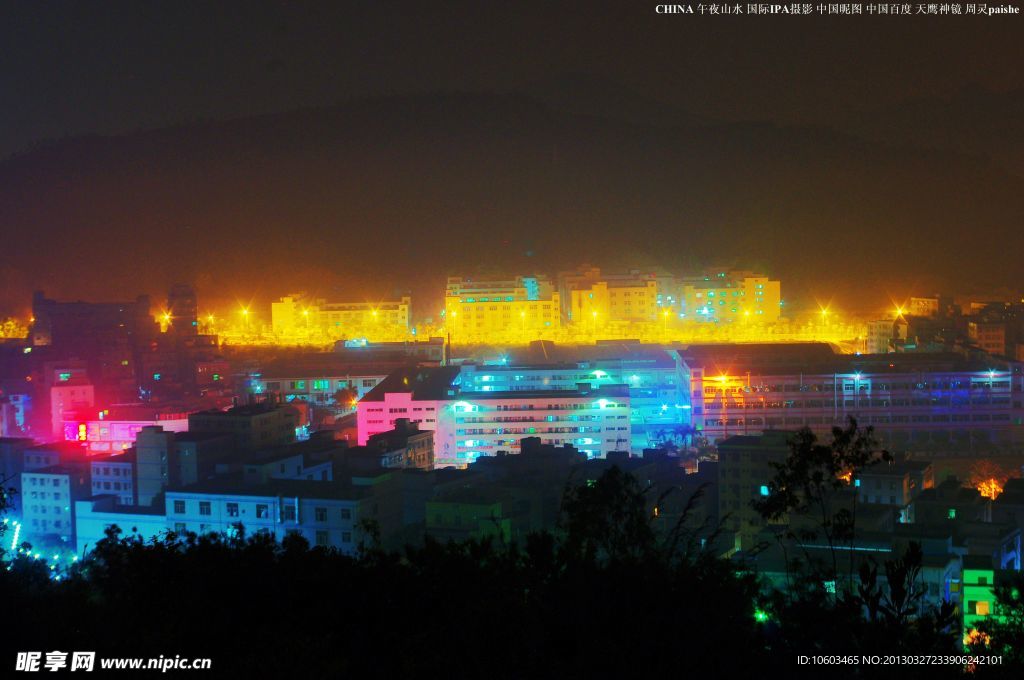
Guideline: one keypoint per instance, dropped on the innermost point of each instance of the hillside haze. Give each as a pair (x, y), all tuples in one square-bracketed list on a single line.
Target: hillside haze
[(372, 197)]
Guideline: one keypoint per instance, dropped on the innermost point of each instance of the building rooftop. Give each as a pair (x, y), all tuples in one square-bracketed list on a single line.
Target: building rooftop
[(127, 456), (244, 410), (815, 358), (288, 488), (200, 436), (109, 503), (425, 383)]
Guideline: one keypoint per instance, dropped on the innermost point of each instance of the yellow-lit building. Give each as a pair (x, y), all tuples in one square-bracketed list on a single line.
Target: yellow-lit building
[(295, 315), (732, 296), (615, 302), (526, 305), (632, 296)]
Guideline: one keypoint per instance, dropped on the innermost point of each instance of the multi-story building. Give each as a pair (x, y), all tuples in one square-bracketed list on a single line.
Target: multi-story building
[(406, 446), (523, 306), (989, 336), (114, 429), (12, 464), (589, 295), (320, 387), (49, 501), (182, 313), (594, 419), (298, 315), (95, 515), (417, 393), (882, 334), (921, 401), (165, 457), (732, 296), (327, 514), (744, 473), (109, 336), (114, 475), (922, 306), (658, 392), (895, 484), (252, 426), (70, 390)]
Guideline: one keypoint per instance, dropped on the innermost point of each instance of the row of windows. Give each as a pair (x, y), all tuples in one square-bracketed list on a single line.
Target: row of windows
[(41, 481), (741, 403), (262, 510), (880, 420), (43, 509), (108, 471), (43, 495)]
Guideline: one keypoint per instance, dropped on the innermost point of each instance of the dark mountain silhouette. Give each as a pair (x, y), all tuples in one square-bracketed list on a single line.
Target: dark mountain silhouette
[(974, 121), (396, 192)]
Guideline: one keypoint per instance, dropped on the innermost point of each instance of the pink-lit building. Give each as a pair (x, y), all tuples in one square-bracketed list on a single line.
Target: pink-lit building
[(114, 429)]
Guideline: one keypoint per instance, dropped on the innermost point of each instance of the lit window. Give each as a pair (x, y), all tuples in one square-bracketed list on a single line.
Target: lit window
[(764, 490), (982, 608)]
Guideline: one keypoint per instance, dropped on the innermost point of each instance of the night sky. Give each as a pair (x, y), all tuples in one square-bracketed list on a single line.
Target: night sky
[(437, 137)]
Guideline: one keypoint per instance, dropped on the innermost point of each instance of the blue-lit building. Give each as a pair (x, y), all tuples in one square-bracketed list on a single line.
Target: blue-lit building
[(655, 381), (926, 401)]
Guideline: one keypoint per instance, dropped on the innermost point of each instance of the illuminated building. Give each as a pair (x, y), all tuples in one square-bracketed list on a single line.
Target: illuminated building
[(295, 315), (93, 516), (732, 296), (252, 426), (658, 389), (319, 385), (988, 336), (49, 499), (524, 306), (979, 601), (114, 429), (417, 393), (593, 419), (882, 333), (326, 513), (14, 413), (614, 303), (632, 296), (921, 306), (70, 390), (912, 400)]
